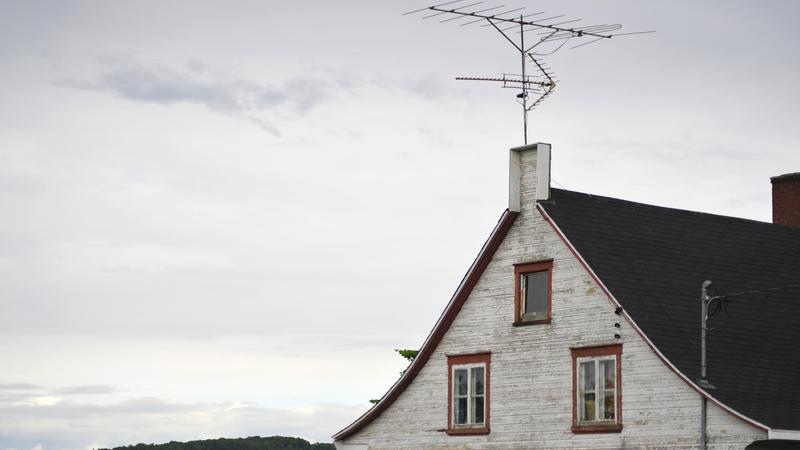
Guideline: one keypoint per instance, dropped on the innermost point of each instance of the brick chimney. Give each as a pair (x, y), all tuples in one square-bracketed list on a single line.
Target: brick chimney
[(786, 199)]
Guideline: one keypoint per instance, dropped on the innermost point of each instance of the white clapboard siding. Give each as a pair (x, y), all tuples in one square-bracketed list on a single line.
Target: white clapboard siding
[(531, 369)]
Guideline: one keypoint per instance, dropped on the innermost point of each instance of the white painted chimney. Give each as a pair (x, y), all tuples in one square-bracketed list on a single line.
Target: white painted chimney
[(528, 175)]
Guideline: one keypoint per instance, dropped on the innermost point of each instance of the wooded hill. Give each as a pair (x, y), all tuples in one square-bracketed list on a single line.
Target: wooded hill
[(249, 443)]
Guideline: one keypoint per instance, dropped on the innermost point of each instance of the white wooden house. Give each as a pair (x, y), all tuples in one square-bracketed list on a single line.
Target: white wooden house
[(578, 324)]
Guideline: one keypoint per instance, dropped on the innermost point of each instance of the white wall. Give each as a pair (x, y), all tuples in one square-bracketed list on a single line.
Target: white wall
[(531, 372)]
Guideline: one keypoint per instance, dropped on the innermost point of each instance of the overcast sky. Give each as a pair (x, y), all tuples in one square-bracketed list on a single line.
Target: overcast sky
[(219, 218)]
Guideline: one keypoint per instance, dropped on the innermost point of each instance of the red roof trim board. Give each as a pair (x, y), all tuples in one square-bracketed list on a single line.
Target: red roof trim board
[(627, 317), (460, 296), (442, 325)]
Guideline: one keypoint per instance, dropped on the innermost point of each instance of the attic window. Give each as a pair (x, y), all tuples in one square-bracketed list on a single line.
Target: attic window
[(597, 386), (468, 385), (533, 296)]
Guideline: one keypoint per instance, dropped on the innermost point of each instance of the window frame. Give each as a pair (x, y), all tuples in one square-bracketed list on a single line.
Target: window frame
[(468, 361), (521, 270), (596, 353)]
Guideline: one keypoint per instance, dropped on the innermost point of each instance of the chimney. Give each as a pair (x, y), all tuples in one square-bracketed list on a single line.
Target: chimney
[(528, 176), (786, 199)]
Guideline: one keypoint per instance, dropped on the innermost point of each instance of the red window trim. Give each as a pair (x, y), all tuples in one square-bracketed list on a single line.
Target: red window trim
[(455, 360), (521, 269), (597, 350)]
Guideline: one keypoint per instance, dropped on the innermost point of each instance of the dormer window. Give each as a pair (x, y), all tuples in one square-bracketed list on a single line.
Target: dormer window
[(533, 292)]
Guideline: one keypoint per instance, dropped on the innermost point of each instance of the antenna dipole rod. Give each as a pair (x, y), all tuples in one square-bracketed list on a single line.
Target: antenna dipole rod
[(520, 21)]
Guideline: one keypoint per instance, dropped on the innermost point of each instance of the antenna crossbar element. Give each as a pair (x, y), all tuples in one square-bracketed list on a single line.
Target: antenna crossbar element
[(551, 34), (518, 21), (511, 82)]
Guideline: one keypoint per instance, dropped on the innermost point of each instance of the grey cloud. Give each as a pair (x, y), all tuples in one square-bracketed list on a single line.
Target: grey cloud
[(199, 85), (25, 393), (155, 420), (675, 152), (427, 86), (142, 405), (18, 387), (13, 393), (86, 389), (14, 398)]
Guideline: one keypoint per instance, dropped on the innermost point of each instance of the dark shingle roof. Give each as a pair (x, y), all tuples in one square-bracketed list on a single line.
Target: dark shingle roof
[(654, 260)]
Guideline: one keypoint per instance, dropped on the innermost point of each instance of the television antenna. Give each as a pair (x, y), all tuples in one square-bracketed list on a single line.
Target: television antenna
[(551, 35)]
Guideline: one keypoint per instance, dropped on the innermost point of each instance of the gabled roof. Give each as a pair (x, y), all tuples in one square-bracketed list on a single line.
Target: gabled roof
[(653, 261)]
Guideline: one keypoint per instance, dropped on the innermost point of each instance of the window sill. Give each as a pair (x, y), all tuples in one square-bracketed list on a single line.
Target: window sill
[(598, 428), (467, 431), (525, 323)]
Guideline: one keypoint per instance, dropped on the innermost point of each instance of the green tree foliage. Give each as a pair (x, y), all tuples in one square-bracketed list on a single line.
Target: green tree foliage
[(249, 443), (407, 353)]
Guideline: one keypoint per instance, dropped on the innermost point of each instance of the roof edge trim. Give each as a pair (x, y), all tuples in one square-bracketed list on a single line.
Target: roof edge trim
[(792, 435), (641, 333), (442, 325)]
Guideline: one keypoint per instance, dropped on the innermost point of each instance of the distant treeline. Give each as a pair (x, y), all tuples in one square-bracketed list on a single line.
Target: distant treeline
[(250, 443)]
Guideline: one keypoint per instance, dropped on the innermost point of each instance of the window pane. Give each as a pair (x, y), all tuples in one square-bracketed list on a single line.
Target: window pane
[(478, 413), (608, 406), (587, 376), (537, 292), (461, 411), (477, 380), (588, 407), (460, 382), (608, 370)]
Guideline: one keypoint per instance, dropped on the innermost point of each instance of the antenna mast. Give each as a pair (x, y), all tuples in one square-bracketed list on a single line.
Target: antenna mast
[(549, 32)]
